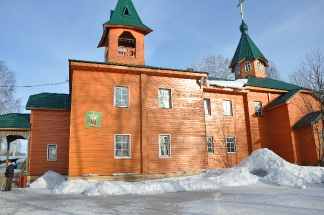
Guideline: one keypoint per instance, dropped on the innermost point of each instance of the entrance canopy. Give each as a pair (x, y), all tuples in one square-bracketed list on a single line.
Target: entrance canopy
[(15, 126)]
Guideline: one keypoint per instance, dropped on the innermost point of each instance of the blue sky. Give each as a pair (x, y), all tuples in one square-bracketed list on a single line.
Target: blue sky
[(38, 37)]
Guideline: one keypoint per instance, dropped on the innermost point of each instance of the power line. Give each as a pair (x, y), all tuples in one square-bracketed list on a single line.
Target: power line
[(39, 85)]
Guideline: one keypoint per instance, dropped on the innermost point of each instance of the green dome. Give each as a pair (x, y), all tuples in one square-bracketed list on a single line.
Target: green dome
[(244, 28)]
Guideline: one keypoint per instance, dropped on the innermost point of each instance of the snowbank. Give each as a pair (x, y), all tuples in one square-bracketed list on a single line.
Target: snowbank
[(237, 84), (263, 166)]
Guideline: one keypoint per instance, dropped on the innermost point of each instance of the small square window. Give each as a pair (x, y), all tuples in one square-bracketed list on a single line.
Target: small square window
[(247, 66), (164, 98), (238, 69), (210, 148), (121, 96), (164, 143), (122, 146), (230, 144), (51, 152), (227, 108), (258, 108), (207, 106)]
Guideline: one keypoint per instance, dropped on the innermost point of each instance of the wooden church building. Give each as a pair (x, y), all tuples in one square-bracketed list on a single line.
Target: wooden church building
[(124, 117)]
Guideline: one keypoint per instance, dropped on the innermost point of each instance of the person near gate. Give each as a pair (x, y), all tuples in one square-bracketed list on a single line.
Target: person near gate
[(9, 175)]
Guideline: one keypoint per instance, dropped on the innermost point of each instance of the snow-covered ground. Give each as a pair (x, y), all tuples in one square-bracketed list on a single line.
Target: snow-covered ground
[(261, 184)]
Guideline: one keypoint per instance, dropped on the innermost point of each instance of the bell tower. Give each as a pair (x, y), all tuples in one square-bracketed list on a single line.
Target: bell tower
[(123, 35), (248, 59)]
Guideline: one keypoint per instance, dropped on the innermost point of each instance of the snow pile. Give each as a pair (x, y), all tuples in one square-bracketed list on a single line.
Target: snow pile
[(263, 166), (49, 180), (237, 84)]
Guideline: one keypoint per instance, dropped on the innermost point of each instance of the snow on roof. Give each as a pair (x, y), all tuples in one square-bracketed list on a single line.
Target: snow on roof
[(237, 84), (263, 166)]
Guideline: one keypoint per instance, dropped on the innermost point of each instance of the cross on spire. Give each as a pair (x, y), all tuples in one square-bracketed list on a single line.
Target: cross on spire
[(241, 6)]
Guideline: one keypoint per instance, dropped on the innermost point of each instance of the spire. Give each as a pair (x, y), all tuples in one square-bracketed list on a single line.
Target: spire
[(246, 48), (126, 14)]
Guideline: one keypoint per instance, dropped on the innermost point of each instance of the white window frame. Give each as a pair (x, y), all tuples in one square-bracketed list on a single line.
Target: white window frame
[(124, 98), (210, 145), (259, 65), (227, 108), (230, 145), (238, 69), (50, 148), (168, 154), (207, 107), (164, 98), (247, 65), (258, 108), (115, 146)]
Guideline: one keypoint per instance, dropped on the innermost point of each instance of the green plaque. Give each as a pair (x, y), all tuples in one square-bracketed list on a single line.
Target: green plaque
[(93, 119)]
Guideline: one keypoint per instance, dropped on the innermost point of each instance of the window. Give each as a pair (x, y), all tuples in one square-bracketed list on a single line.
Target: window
[(207, 106), (238, 69), (51, 152), (247, 66), (227, 107), (230, 144), (164, 98), (164, 144), (122, 146), (259, 65), (210, 148), (258, 108), (121, 96)]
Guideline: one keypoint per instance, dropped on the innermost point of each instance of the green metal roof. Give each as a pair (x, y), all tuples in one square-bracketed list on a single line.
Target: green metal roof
[(15, 120), (126, 14), (283, 98), (309, 119), (270, 83), (246, 47), (49, 101)]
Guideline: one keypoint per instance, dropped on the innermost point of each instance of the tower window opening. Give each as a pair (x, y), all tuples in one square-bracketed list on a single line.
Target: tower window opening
[(126, 11), (127, 45), (247, 66), (259, 65), (238, 69)]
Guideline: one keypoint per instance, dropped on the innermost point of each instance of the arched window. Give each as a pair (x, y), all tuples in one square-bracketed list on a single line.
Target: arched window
[(127, 44)]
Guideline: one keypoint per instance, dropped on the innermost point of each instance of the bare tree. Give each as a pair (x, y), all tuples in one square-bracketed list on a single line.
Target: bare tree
[(8, 103), (310, 75), (216, 66), (272, 71)]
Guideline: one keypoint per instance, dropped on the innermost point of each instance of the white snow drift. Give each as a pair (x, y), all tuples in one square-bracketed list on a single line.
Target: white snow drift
[(263, 166)]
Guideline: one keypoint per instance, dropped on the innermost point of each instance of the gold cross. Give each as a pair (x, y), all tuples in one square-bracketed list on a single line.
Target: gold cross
[(241, 5)]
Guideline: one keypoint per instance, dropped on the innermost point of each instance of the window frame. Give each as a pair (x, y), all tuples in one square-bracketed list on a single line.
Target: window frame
[(47, 152), (115, 97), (247, 65), (238, 69), (259, 66), (129, 147), (230, 107), (232, 149), (210, 144), (169, 146), (207, 107), (161, 96), (258, 112)]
